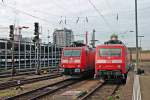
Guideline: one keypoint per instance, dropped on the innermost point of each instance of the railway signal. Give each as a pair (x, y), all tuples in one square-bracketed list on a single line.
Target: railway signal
[(36, 40), (11, 35), (36, 32)]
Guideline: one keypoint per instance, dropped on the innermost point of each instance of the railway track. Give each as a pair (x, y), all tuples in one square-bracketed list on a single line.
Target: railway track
[(42, 91), (101, 92), (21, 73), (24, 72), (9, 84)]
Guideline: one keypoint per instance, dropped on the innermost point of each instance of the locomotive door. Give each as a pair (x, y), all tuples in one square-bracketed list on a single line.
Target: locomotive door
[(87, 58)]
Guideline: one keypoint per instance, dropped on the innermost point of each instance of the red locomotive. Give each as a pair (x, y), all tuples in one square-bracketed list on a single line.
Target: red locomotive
[(112, 60), (78, 61)]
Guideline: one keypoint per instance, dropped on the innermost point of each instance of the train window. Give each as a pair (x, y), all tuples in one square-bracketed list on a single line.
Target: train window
[(110, 52), (72, 53), (67, 52)]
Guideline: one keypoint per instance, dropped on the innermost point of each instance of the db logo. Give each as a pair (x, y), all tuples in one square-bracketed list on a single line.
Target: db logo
[(71, 60), (108, 61)]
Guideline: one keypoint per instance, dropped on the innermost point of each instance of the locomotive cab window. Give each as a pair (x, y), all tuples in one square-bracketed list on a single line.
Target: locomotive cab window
[(75, 53), (110, 52)]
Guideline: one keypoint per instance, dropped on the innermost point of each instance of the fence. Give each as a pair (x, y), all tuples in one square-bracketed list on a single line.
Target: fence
[(27, 55)]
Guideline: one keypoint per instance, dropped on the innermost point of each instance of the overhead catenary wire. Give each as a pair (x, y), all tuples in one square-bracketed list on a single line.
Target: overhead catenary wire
[(110, 7), (116, 18), (66, 17), (59, 5), (89, 16), (45, 12), (73, 17), (26, 13), (101, 15)]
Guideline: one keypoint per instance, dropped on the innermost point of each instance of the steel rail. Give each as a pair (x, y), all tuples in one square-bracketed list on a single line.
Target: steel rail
[(9, 84), (42, 91), (93, 90), (100, 86)]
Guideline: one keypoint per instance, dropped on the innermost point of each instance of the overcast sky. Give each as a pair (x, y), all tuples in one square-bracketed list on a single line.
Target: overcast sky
[(50, 12)]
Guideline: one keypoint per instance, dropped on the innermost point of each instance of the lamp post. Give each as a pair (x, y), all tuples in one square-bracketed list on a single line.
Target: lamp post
[(136, 30)]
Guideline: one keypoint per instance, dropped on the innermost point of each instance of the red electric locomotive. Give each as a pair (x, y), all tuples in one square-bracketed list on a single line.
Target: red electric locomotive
[(112, 61), (78, 61)]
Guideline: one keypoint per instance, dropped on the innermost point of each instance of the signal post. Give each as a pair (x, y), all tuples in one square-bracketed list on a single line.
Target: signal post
[(36, 41), (11, 35)]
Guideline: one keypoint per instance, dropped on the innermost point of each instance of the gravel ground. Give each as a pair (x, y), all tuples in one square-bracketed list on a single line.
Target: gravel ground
[(145, 87), (14, 78), (20, 77), (85, 85), (146, 68), (125, 91), (27, 87), (145, 82)]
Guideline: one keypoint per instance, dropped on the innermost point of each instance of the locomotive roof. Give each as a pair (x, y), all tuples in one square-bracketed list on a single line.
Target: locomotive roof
[(111, 45), (77, 47), (77, 44), (113, 42), (86, 47)]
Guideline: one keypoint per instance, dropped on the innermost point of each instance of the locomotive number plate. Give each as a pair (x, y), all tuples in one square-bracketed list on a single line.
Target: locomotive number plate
[(108, 61)]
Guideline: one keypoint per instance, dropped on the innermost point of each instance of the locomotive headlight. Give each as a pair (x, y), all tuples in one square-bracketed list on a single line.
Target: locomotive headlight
[(61, 70), (116, 61), (78, 66), (77, 70), (119, 66), (64, 61), (77, 61), (101, 61), (82, 70), (100, 66)]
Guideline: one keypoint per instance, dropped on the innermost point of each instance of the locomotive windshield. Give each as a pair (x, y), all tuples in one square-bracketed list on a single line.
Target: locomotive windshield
[(69, 53), (110, 52)]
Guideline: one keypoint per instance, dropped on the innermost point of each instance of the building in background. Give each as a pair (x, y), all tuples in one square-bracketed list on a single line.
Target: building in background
[(17, 37), (24, 39), (63, 37)]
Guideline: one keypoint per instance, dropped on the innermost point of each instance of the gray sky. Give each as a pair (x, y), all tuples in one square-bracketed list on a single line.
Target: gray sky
[(48, 13)]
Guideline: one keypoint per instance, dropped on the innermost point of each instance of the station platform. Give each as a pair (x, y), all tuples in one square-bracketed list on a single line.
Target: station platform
[(145, 87), (145, 81)]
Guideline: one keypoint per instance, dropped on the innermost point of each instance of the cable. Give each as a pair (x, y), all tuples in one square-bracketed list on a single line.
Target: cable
[(99, 12), (61, 7), (60, 22), (117, 15), (23, 12)]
